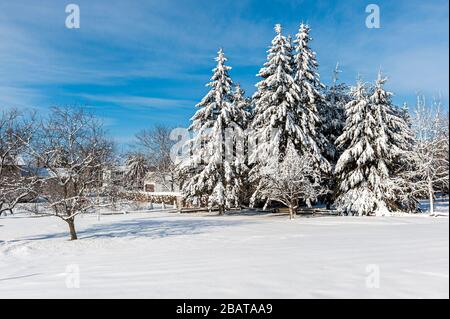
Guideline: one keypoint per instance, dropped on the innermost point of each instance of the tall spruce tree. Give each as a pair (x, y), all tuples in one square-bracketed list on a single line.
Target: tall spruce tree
[(404, 113), (240, 142), (312, 107), (215, 166), (356, 194), (373, 142), (242, 104), (333, 115), (403, 179), (278, 114), (333, 120), (275, 117)]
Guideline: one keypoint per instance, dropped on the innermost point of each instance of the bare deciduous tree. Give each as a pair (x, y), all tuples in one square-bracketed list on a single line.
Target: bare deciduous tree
[(157, 144), (72, 149), (430, 159), (16, 133), (290, 181)]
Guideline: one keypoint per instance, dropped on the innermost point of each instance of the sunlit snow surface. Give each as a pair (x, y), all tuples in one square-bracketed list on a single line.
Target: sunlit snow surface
[(168, 255)]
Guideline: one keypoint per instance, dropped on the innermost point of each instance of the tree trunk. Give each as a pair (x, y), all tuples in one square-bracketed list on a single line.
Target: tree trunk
[(291, 212), (73, 233), (221, 210), (172, 186), (431, 197), (266, 204)]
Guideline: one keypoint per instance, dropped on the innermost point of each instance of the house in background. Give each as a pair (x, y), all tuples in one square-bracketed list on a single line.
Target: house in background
[(154, 181), (114, 175), (159, 182), (13, 166)]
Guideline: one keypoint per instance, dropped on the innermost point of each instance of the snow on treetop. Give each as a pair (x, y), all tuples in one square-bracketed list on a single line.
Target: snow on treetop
[(278, 28), (380, 79), (221, 56), (304, 27)]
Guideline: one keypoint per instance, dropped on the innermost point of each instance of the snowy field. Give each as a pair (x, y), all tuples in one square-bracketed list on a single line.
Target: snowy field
[(168, 255)]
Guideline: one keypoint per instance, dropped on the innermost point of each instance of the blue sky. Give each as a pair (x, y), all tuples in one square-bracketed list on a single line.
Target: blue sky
[(139, 63)]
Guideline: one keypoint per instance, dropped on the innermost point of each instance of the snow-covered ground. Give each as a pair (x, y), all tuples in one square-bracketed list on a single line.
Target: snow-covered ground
[(168, 255)]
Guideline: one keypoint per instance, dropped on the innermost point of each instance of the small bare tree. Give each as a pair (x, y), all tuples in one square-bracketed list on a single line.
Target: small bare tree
[(157, 144), (71, 146), (430, 158), (289, 181), (16, 185)]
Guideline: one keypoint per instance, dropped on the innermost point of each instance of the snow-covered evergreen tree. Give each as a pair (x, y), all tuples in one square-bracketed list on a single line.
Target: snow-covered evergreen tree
[(402, 186), (333, 121), (279, 116), (333, 115), (243, 104), (240, 142), (312, 108), (214, 165), (373, 142), (136, 169), (406, 115)]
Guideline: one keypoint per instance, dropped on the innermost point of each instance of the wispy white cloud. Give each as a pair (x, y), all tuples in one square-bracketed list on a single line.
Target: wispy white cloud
[(140, 102), (21, 98)]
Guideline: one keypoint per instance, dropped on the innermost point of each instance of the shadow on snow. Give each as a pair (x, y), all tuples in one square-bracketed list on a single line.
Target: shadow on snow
[(148, 228)]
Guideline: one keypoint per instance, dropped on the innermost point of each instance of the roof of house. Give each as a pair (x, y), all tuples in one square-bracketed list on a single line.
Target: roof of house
[(17, 161)]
